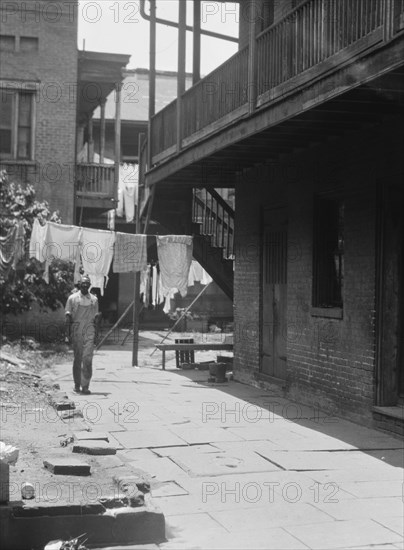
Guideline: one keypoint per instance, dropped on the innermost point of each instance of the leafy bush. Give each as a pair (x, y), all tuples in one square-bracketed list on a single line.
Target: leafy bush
[(20, 288)]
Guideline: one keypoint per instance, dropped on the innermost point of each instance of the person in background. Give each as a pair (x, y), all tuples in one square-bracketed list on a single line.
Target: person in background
[(82, 322)]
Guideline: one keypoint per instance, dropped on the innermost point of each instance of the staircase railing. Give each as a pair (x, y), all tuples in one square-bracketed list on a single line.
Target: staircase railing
[(215, 218)]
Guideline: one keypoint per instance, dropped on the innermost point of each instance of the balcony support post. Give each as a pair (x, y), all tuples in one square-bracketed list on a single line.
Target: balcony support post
[(196, 50), (90, 145), (102, 133), (252, 56), (182, 20), (388, 28), (117, 137)]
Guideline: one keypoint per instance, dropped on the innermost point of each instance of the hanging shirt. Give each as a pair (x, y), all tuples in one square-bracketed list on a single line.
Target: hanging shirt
[(154, 285), (37, 241), (61, 242), (175, 256), (130, 253), (127, 190), (7, 250), (96, 251), (198, 274)]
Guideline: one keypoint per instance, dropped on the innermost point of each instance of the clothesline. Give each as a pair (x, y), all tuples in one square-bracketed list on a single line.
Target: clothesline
[(97, 249)]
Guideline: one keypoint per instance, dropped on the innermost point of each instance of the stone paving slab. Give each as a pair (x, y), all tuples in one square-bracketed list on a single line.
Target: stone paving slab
[(260, 539), (371, 489), (394, 523), (148, 438), (373, 508), (272, 515), (221, 463), (204, 435), (167, 489), (162, 469), (343, 534)]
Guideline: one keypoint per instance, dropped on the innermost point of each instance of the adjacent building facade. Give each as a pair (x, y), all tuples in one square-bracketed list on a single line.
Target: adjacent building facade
[(305, 122)]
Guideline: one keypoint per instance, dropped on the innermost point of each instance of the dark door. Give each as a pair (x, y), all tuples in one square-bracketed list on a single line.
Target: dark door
[(274, 293)]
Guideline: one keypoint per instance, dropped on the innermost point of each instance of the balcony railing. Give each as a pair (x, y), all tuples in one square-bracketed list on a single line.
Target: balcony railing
[(97, 180), (314, 39)]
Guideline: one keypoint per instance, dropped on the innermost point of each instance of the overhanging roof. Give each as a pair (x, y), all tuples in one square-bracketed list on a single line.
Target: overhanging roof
[(98, 74)]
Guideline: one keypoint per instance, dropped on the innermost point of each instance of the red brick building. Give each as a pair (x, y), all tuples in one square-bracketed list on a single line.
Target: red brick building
[(305, 122)]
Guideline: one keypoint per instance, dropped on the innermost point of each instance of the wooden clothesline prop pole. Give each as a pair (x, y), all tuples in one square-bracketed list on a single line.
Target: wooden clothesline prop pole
[(182, 316), (114, 327)]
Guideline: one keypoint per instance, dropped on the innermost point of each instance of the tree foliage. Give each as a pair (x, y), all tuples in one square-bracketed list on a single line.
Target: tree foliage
[(21, 288)]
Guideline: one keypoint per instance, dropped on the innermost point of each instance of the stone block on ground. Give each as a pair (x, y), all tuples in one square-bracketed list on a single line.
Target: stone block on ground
[(67, 466), (91, 447), (95, 436)]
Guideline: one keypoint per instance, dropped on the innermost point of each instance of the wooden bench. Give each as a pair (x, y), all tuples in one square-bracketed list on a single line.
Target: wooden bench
[(192, 347)]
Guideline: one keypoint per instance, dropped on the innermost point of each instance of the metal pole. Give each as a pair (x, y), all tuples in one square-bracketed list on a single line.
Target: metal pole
[(182, 16), (182, 316)]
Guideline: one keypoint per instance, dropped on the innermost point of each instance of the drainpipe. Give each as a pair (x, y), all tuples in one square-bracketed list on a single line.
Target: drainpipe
[(182, 17), (252, 58), (152, 78)]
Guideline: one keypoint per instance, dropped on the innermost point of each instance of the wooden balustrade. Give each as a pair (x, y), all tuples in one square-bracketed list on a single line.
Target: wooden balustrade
[(164, 125), (315, 37), (219, 93), (95, 179), (215, 218)]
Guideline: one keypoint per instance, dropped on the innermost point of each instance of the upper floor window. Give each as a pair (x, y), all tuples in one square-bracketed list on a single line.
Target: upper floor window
[(328, 253), (28, 44), (16, 124), (7, 43)]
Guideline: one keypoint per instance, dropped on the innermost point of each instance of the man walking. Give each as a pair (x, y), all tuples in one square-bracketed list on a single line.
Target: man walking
[(82, 319)]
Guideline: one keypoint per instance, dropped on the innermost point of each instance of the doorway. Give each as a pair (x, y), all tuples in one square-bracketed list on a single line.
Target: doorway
[(274, 293)]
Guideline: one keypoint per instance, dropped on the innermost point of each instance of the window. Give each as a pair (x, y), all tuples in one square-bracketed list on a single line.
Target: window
[(16, 124), (7, 43), (328, 257), (28, 44)]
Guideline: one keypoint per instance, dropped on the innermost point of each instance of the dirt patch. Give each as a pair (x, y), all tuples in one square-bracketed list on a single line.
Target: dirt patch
[(30, 423)]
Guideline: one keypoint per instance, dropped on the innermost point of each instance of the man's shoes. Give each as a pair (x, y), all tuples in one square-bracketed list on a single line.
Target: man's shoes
[(76, 389), (85, 391)]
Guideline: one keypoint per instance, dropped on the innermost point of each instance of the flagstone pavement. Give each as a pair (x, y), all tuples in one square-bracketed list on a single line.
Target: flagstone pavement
[(237, 467)]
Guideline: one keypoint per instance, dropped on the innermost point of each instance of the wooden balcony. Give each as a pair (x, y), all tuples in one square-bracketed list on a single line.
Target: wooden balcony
[(96, 186), (318, 51)]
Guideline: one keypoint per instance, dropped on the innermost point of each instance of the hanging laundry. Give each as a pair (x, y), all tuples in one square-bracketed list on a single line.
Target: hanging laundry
[(175, 257), (61, 242), (7, 249), (111, 220), (37, 241), (96, 251), (198, 274), (130, 253), (155, 278), (127, 191)]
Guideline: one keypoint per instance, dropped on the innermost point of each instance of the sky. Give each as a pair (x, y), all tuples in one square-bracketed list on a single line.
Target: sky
[(116, 26)]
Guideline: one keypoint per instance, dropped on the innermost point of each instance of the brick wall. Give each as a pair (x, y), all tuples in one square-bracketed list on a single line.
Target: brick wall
[(53, 68), (330, 362)]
